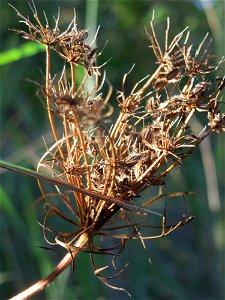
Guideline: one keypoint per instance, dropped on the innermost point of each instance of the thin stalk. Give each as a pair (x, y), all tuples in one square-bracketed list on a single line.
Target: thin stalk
[(47, 87), (145, 174), (81, 198), (72, 179), (182, 157), (66, 129), (111, 177), (120, 120), (183, 127), (73, 78), (84, 150)]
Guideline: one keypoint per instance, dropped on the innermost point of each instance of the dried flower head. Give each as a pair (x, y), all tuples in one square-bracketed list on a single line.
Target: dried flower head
[(106, 166), (70, 44)]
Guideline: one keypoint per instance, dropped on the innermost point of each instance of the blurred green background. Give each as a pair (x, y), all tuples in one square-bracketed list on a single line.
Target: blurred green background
[(188, 264)]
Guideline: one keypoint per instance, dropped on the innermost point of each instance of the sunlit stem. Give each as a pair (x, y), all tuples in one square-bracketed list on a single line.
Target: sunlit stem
[(119, 123), (47, 87), (73, 78), (84, 148)]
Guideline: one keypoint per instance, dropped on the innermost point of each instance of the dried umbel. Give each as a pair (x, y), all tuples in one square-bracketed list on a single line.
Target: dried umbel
[(108, 164)]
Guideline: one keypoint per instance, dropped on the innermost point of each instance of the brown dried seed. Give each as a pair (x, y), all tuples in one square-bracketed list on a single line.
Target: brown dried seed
[(160, 84), (173, 73), (83, 36)]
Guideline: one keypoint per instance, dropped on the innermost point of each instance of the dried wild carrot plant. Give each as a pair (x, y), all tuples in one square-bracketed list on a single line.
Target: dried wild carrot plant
[(107, 164)]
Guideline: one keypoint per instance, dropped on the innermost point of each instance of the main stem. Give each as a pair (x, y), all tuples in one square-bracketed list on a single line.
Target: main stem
[(63, 264)]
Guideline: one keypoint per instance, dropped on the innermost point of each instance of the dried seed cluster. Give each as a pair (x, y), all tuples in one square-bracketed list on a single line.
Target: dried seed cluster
[(70, 44), (150, 136)]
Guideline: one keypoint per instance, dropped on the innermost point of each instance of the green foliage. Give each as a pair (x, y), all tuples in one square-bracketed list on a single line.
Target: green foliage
[(18, 53)]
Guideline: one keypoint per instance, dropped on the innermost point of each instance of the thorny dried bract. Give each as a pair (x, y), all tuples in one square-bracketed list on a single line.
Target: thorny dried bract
[(150, 136)]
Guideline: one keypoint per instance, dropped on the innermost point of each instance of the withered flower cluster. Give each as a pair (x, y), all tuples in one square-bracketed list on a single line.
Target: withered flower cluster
[(110, 163)]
